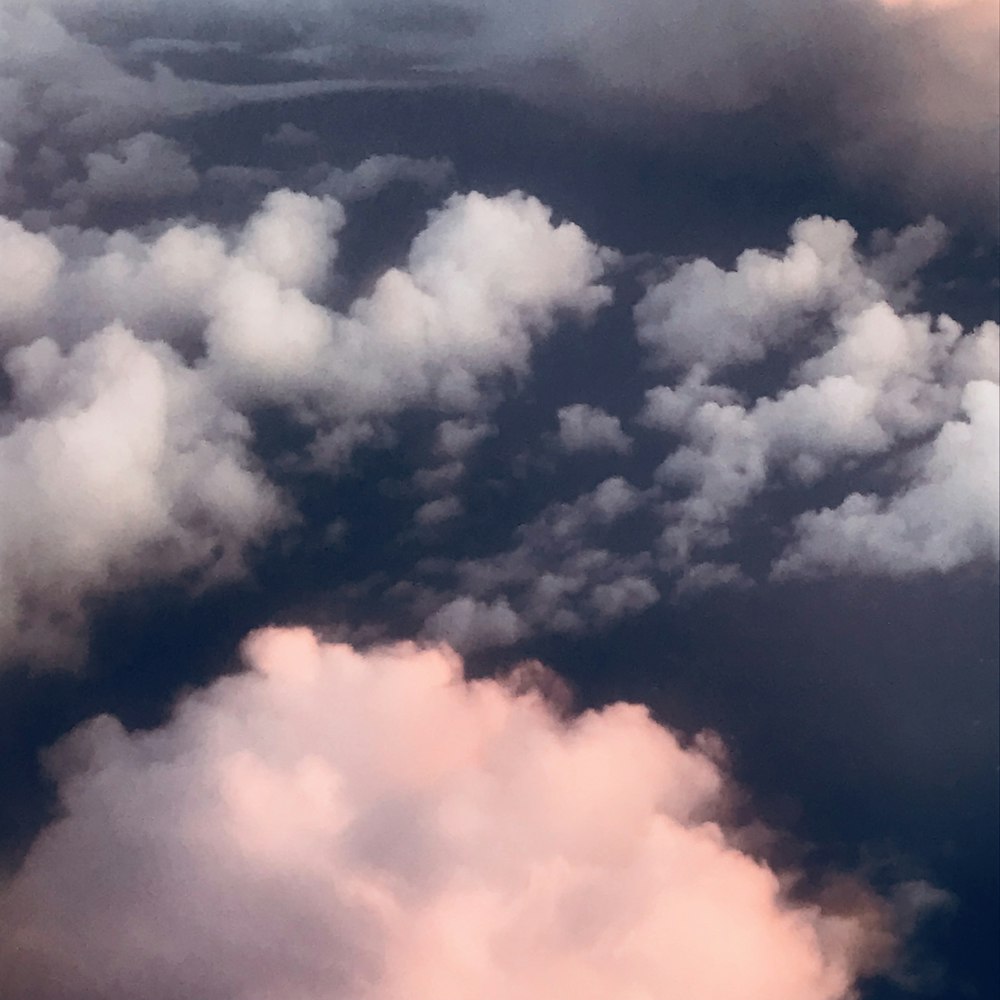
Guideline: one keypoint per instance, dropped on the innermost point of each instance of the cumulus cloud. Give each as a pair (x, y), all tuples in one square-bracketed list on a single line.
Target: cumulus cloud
[(144, 167), (438, 511), (872, 379), (483, 279), (148, 417), (947, 515), (122, 467), (714, 318), (335, 823), (589, 428), (456, 438), (469, 624), (561, 575), (31, 264)]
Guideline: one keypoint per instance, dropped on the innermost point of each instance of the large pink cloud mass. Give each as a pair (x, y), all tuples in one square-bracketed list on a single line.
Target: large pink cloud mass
[(344, 825)]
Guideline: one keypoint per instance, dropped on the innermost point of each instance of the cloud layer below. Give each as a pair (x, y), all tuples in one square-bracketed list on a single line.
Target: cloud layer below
[(335, 823)]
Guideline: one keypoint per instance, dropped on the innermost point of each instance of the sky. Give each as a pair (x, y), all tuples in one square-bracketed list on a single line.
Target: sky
[(499, 501)]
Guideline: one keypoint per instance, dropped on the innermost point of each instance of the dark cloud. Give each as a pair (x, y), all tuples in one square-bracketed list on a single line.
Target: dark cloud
[(296, 830)]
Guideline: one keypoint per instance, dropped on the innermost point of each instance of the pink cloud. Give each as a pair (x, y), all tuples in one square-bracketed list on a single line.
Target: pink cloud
[(338, 824)]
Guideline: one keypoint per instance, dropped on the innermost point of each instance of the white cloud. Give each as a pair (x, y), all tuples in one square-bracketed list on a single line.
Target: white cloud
[(624, 596), (372, 825), (704, 316), (874, 380), (589, 428), (484, 279), (122, 468), (246, 308), (947, 515), (30, 266), (291, 239)]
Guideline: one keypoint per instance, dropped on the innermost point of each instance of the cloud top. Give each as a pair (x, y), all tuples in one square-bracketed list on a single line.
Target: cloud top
[(336, 823)]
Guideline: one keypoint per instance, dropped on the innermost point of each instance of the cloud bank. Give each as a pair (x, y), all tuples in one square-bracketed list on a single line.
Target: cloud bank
[(868, 378), (899, 94), (136, 360), (336, 823)]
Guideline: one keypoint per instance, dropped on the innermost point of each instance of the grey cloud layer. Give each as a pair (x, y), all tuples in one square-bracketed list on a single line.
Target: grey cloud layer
[(897, 92)]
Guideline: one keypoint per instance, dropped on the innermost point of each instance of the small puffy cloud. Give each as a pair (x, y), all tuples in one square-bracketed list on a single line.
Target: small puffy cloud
[(292, 238), (375, 173), (469, 624), (483, 280), (289, 134), (703, 315), (873, 379), (438, 511), (558, 577), (456, 438), (697, 578), (372, 825), (589, 428), (145, 167), (976, 356), (946, 516), (625, 596), (439, 478), (670, 408)]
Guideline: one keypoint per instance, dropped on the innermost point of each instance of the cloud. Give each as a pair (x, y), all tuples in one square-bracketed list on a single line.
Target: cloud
[(868, 379), (704, 315), (895, 94), (144, 167), (128, 445), (624, 596), (438, 511), (335, 823), (456, 438), (483, 279), (469, 624), (31, 264), (69, 103), (370, 176), (290, 134), (122, 468), (947, 515), (561, 575), (589, 428)]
